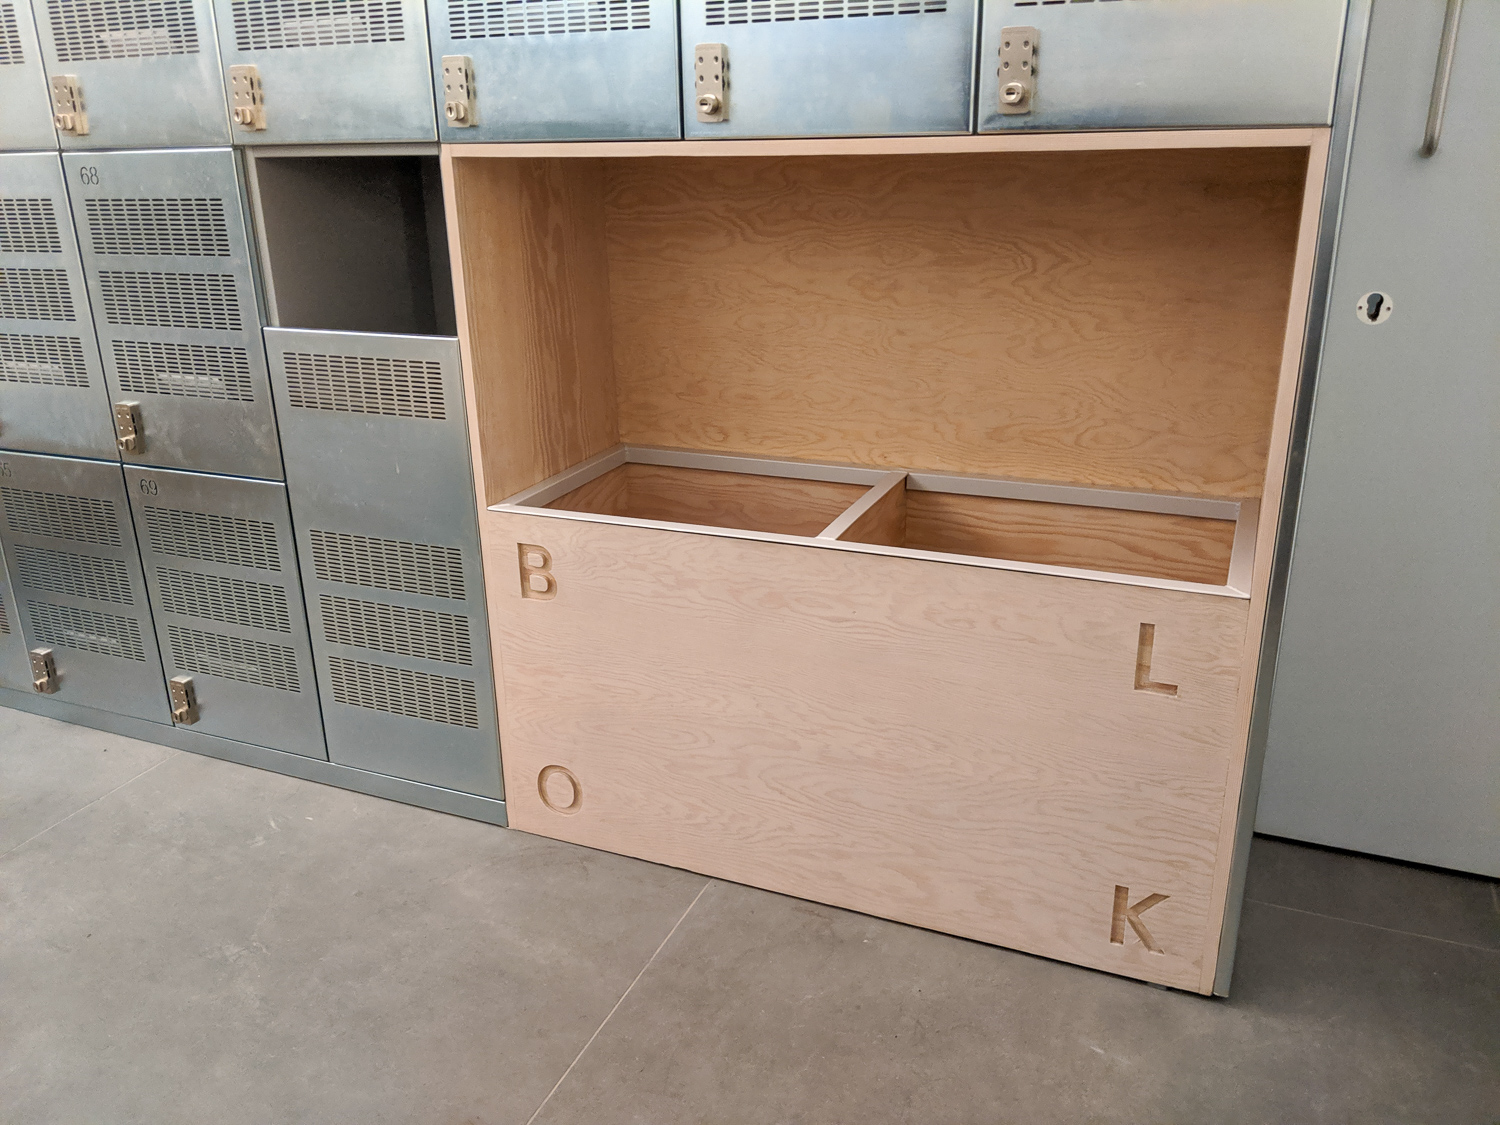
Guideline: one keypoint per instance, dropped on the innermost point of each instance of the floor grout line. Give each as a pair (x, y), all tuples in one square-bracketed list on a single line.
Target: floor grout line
[(1373, 926), (620, 1001), (90, 805)]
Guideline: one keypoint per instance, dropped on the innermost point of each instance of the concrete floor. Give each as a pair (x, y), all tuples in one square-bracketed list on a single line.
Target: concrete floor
[(186, 940)]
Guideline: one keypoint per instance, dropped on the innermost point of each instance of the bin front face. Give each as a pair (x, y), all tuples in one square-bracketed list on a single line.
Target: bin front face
[(27, 120), (52, 393), (167, 258), (558, 70), (331, 70), (1165, 64), (839, 68), (149, 74), (66, 530)]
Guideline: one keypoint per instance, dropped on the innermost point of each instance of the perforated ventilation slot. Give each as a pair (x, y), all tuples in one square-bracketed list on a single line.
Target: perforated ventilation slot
[(496, 19), (150, 367), (720, 12), (82, 519), (81, 576), (234, 658), (49, 361), (28, 226), (170, 300), (86, 30), (401, 630), (69, 627), (210, 537), (10, 37), (270, 25), (400, 691), (388, 564), (4, 619), (184, 228), (360, 384), (35, 294), (234, 601)]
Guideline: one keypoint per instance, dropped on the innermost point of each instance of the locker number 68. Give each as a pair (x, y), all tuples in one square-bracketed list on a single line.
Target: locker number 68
[(88, 174)]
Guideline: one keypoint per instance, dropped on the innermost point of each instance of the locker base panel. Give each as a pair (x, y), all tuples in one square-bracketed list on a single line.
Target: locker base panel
[(293, 765)]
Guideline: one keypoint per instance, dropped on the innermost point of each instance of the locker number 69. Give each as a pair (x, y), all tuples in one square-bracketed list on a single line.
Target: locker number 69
[(148, 486)]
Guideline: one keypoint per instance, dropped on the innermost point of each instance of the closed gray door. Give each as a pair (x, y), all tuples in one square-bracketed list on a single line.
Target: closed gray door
[(76, 577), (1385, 723), (15, 668), (52, 393), (26, 122), (167, 258)]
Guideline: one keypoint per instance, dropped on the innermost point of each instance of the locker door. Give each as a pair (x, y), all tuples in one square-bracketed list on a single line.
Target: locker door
[(26, 122), (77, 581), (329, 70), (146, 72), (561, 70), (53, 399), (382, 494), (15, 668), (1161, 64), (839, 67), (221, 570), (166, 256)]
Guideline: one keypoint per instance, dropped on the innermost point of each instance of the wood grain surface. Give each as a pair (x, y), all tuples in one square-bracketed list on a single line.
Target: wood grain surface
[(884, 522)]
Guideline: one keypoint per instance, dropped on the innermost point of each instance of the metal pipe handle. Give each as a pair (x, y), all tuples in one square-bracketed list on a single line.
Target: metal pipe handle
[(1439, 101)]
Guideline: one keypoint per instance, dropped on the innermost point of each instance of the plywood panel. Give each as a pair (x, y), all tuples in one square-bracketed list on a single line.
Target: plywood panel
[(1111, 319), (957, 748), (883, 522)]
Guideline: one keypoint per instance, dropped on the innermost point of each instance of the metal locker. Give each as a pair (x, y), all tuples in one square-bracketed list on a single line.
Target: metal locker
[(555, 70), (15, 672), (52, 393), (132, 73), (789, 68), (26, 120), (305, 71), (381, 488), (167, 258), (1156, 64), (76, 576), (221, 571)]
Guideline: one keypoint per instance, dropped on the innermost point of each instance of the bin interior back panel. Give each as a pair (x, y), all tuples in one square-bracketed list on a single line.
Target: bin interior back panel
[(835, 67), (1115, 64), (27, 120), (147, 71), (166, 256), (14, 665), (378, 475), (52, 393), (330, 70), (221, 569), (562, 69), (76, 578)]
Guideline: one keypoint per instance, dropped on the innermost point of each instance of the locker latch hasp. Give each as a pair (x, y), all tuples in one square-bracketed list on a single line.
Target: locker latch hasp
[(43, 671), (1018, 50), (130, 431), (711, 82), (458, 90), (184, 697), (247, 98), (68, 115)]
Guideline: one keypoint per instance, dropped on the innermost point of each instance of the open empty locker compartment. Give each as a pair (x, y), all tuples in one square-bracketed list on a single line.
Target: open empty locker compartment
[(539, 70), (166, 252), (27, 120), (221, 570), (54, 399), (15, 668), (772, 68), (76, 576), (317, 71), (133, 75), (1142, 64)]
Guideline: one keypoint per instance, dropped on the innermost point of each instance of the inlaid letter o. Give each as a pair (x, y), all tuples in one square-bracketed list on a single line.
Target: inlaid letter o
[(559, 790)]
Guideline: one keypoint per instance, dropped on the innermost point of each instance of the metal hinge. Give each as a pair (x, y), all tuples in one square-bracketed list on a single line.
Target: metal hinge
[(247, 99), (711, 82), (1018, 68), (458, 90), (184, 700), (68, 115), (43, 671), (130, 430)]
